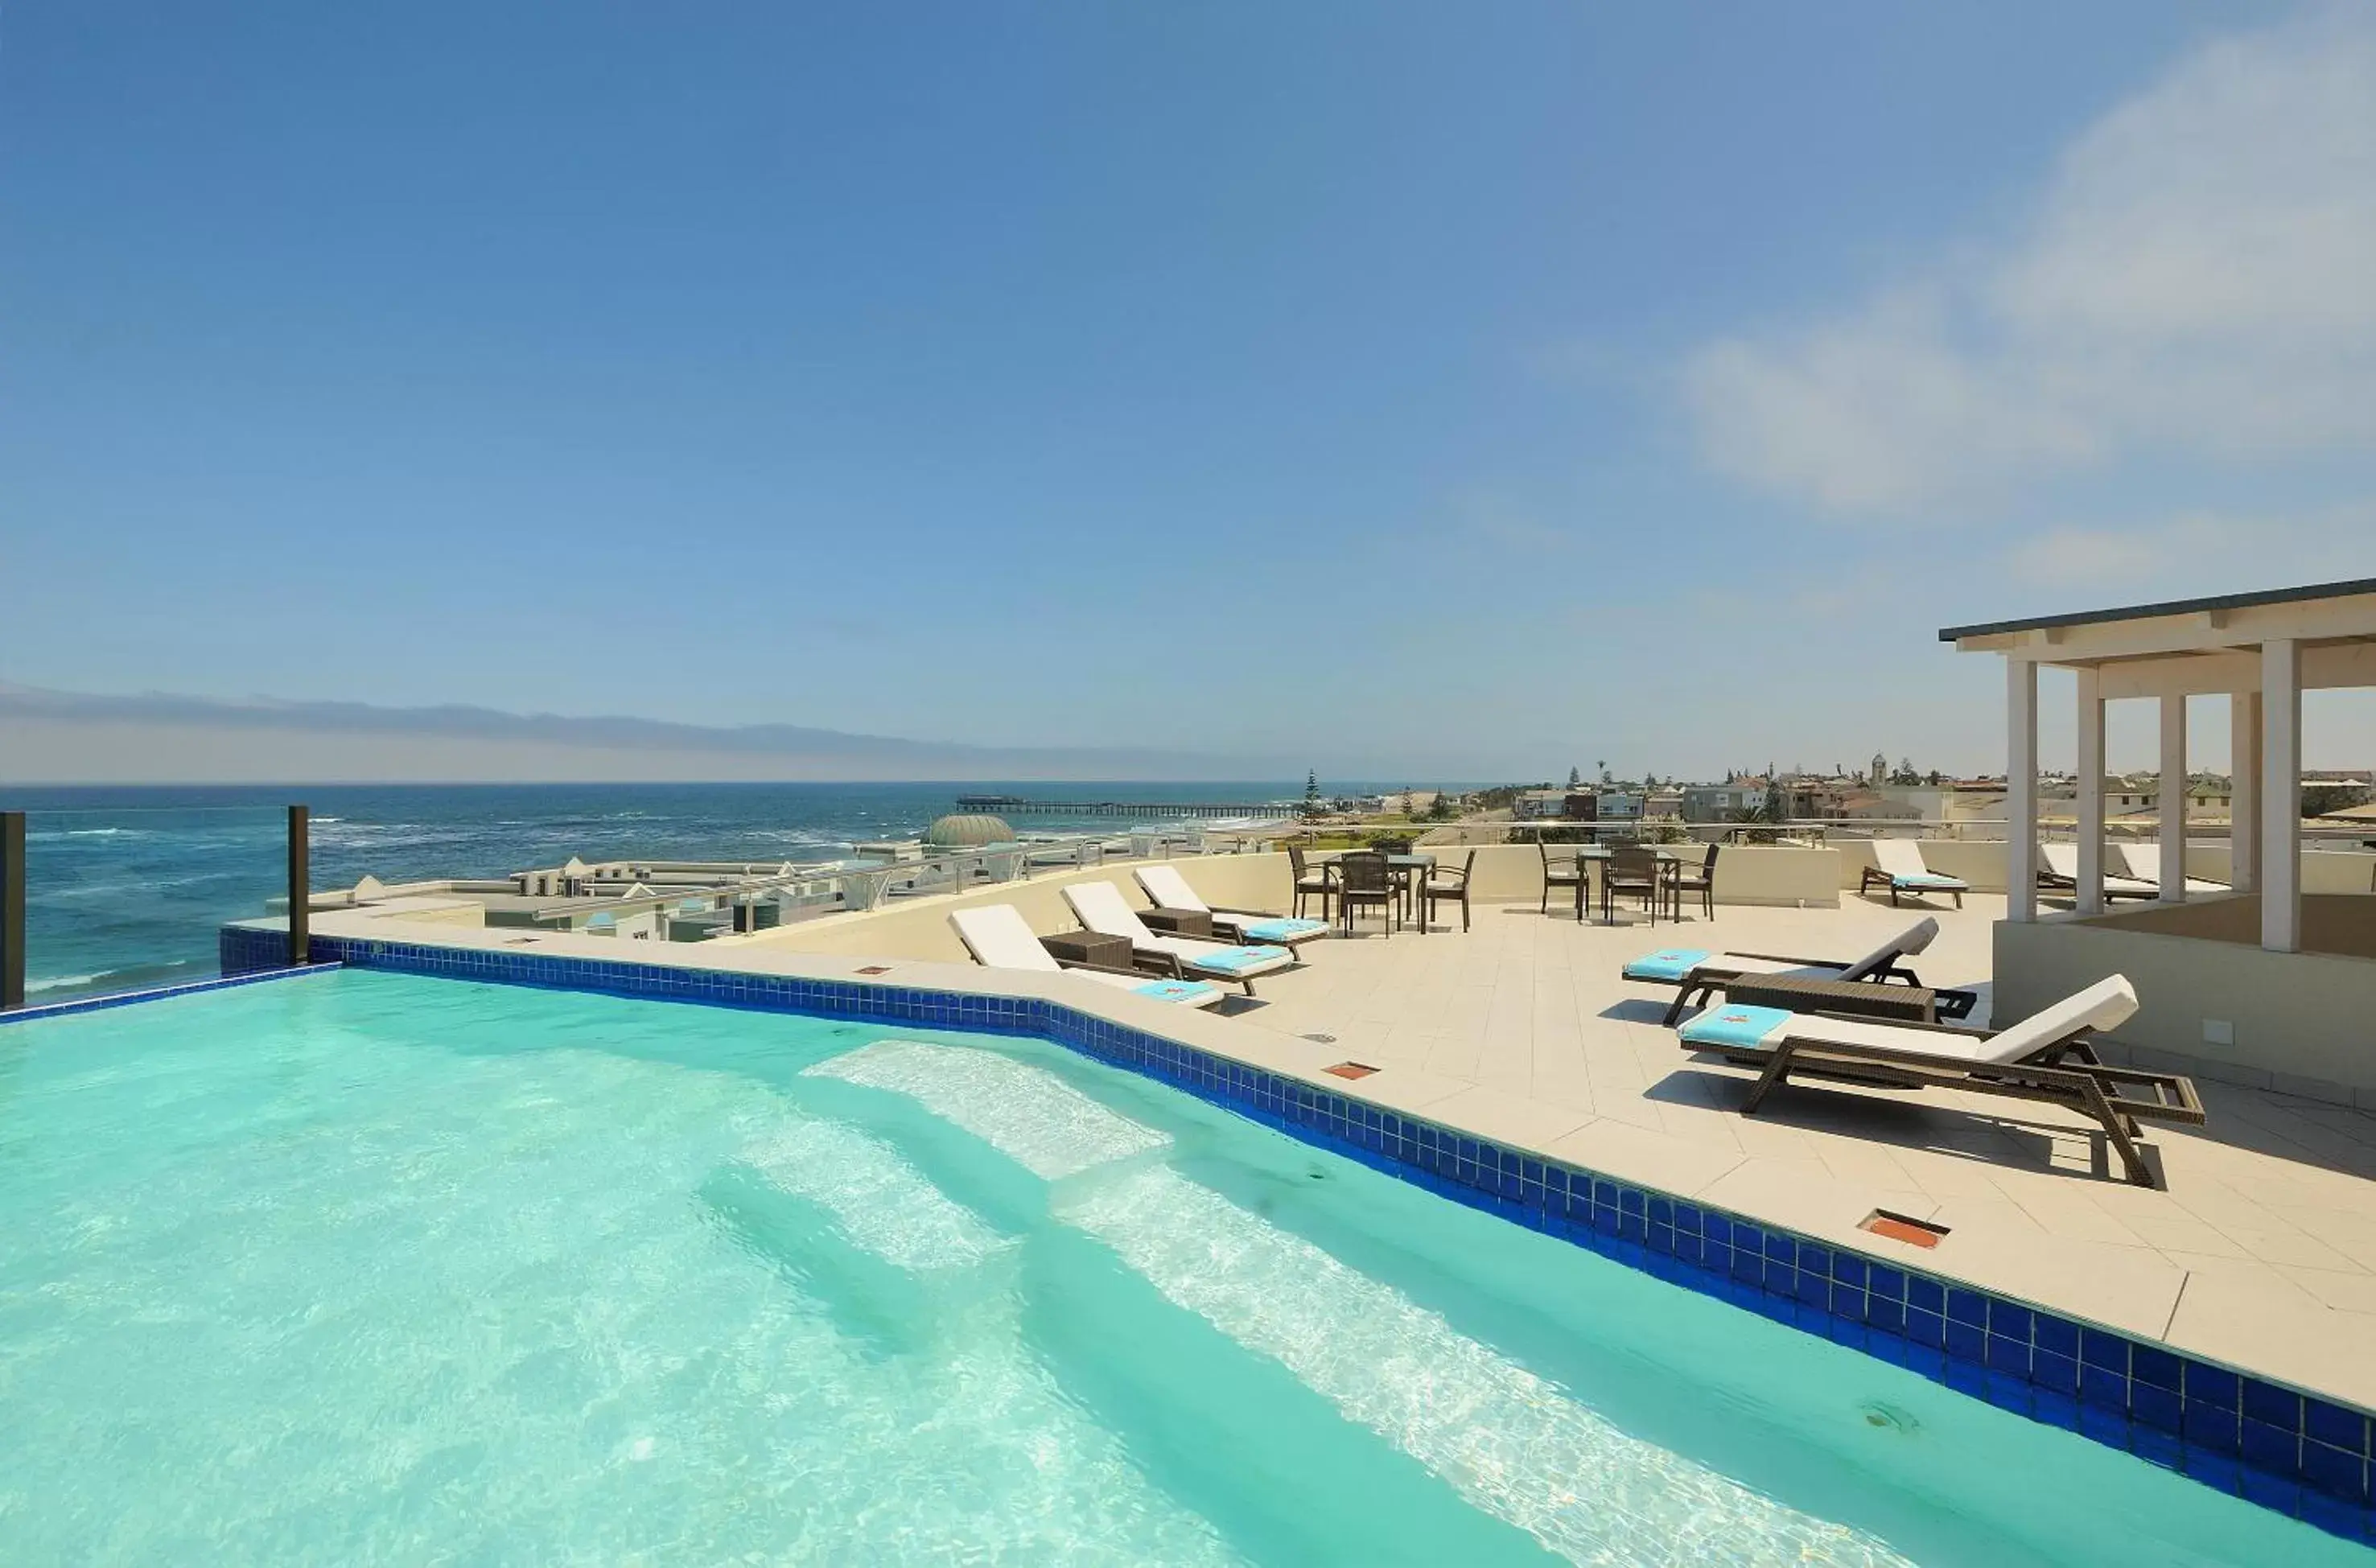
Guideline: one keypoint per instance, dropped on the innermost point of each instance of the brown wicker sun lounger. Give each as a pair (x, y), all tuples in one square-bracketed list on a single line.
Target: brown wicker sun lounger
[(2024, 1061)]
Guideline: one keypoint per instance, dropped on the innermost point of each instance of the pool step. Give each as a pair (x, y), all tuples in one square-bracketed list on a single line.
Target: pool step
[(1026, 1112)]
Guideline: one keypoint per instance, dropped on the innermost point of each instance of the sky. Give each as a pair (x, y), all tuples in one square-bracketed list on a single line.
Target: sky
[(1468, 391)]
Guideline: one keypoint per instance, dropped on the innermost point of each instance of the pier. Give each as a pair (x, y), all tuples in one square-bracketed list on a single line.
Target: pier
[(1017, 805)]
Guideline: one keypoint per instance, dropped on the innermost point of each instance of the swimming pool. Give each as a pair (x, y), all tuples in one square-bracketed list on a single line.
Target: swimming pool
[(363, 1267)]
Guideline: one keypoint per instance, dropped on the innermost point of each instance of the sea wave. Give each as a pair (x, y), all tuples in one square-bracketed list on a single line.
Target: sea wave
[(134, 977)]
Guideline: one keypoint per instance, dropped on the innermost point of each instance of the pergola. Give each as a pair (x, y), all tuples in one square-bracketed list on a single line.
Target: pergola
[(2261, 650)]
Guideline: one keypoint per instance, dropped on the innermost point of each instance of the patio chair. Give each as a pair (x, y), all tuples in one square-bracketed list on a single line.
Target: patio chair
[(1630, 868), (1311, 882), (1697, 975), (1442, 885), (1701, 882), (1363, 877), (2021, 1063), (1101, 906), (999, 938), (2143, 862), (1570, 875), (2058, 866), (1898, 866), (1170, 890)]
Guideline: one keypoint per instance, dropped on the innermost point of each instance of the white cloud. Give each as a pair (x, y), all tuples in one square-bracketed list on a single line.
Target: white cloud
[(2199, 273), (2201, 552)]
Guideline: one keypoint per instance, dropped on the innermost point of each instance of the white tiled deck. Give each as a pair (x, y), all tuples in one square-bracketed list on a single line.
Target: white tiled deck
[(2261, 1249)]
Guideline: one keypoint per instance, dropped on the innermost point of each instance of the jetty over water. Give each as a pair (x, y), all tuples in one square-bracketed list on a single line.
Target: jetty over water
[(1017, 805)]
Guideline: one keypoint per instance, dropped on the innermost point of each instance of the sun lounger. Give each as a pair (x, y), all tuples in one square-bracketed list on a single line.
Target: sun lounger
[(2144, 861), (2021, 1063), (1102, 908), (1898, 866), (2059, 867), (1170, 891), (999, 938), (1697, 974)]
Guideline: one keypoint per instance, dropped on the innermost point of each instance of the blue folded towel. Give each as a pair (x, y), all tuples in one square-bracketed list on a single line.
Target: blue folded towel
[(1280, 929), (1174, 990), (1237, 960), (1667, 964), (1927, 879), (1733, 1027)]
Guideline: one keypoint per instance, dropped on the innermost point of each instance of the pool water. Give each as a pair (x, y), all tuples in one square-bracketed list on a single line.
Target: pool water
[(370, 1268)]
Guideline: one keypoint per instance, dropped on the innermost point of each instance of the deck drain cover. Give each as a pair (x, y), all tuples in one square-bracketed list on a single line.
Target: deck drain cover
[(1903, 1227), (875, 970), (1351, 1070), (1322, 1040)]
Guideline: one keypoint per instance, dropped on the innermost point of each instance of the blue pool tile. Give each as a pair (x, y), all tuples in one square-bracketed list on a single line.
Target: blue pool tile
[(2103, 1390), (1926, 1328), (2213, 1469), (2058, 1336), (1881, 1313), (2152, 1364), (2269, 1402), (2271, 1448), (1848, 1269), (2335, 1516), (1780, 1248), (1883, 1280), (2056, 1373), (2335, 1426), (2104, 1426), (2109, 1352), (1688, 1220), (1968, 1377), (2208, 1426), (1968, 1306), (1925, 1295), (1813, 1259), (2008, 1392), (2155, 1446), (2211, 1385), (2055, 1410), (2154, 1407), (2009, 1355), (2009, 1320), (2334, 1472), (1965, 1342)]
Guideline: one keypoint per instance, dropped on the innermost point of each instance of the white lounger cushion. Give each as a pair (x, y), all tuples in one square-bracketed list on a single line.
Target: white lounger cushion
[(1913, 939), (2144, 861), (1170, 891), (2063, 859), (1901, 858), (1102, 908), (2104, 1006), (999, 938)]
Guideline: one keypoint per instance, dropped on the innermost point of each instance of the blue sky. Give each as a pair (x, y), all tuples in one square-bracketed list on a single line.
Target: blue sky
[(1547, 382)]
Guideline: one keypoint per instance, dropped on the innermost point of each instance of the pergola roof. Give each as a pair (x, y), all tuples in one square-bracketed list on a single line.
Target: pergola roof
[(2182, 647)]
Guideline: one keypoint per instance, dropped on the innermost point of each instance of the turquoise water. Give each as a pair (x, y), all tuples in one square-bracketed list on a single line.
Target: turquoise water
[(368, 1268)]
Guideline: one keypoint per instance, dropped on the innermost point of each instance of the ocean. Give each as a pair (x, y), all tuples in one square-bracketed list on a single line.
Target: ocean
[(127, 886)]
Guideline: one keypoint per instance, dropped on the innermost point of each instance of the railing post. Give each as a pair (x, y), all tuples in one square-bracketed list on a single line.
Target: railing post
[(12, 909), (301, 890)]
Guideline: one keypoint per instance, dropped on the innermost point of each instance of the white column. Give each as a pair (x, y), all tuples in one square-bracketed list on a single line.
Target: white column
[(2090, 804), (2281, 795), (2244, 790), (2173, 798), (2021, 789)]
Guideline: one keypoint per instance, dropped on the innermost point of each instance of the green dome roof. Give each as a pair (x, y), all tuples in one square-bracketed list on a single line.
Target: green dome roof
[(963, 832)]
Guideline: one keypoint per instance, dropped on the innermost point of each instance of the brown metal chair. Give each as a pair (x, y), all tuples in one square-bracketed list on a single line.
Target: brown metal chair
[(1702, 881), (1571, 874), (1442, 884), (1311, 882), (1630, 868), (1363, 877)]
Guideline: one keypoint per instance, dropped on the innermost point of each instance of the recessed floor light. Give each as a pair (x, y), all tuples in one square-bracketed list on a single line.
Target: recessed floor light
[(1322, 1040), (1903, 1227), (1350, 1069), (875, 970)]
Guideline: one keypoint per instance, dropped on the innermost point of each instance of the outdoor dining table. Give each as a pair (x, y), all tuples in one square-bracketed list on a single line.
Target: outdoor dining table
[(1670, 865), (1419, 866)]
